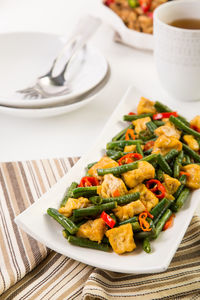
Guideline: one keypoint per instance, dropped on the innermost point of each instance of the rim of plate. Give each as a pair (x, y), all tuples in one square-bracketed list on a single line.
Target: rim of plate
[(45, 112), (41, 103)]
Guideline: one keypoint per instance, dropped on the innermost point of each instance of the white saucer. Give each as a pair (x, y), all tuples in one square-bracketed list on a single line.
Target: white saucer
[(27, 55), (61, 109)]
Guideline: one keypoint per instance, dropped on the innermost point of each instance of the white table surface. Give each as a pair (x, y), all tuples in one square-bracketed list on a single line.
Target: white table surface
[(70, 134)]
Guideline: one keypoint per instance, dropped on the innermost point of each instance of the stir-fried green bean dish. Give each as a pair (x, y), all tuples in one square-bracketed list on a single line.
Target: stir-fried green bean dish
[(133, 192)]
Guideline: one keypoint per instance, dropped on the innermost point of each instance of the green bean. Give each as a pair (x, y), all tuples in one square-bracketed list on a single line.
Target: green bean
[(145, 136), (96, 200), (151, 126), (183, 179), (121, 200), (113, 217), (160, 175), (136, 117), (186, 160), (118, 170), (131, 220), (146, 245), (136, 226), (122, 144), (162, 222), (147, 152), (159, 123), (84, 191), (158, 208), (139, 149), (163, 108), (82, 242), (143, 234), (179, 124), (89, 166), (127, 167), (164, 165), (93, 210), (160, 107), (121, 133), (191, 153), (105, 240), (177, 164), (167, 205), (181, 199), (117, 155), (62, 220), (65, 233), (171, 155), (69, 193)]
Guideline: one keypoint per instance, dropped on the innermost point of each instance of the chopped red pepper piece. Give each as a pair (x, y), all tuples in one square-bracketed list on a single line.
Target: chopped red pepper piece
[(150, 14), (169, 222), (156, 187), (129, 133), (88, 181), (159, 116), (184, 173), (131, 113), (129, 158), (195, 128), (108, 2), (116, 193), (145, 5), (108, 220), (148, 145)]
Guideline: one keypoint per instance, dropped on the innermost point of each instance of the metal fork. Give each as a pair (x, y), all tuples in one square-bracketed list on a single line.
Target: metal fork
[(49, 85)]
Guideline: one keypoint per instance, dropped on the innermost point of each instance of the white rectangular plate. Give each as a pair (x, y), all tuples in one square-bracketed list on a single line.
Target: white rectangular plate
[(40, 226)]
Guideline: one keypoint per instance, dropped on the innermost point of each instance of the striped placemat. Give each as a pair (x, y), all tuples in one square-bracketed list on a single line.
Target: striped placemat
[(28, 270)]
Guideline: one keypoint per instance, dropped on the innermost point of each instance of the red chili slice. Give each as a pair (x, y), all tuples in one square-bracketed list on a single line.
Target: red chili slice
[(159, 116), (108, 2), (195, 128), (108, 220), (148, 145), (88, 181), (129, 158), (156, 187), (145, 5), (131, 113)]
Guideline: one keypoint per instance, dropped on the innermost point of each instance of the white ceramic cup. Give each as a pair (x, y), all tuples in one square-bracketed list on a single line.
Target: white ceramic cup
[(177, 50)]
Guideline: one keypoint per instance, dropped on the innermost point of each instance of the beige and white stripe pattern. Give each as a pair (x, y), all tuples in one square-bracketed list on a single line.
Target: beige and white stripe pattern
[(28, 270)]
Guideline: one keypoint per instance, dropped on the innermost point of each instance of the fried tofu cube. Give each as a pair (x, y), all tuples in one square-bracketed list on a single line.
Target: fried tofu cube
[(140, 124), (121, 239), (104, 163), (130, 148), (191, 141), (72, 204), (146, 196), (193, 181), (129, 210), (93, 230), (171, 186), (110, 186), (134, 177), (145, 106), (164, 144), (195, 122), (168, 130)]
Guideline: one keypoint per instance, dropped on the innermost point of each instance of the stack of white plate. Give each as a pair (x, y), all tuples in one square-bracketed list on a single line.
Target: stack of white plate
[(28, 55)]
